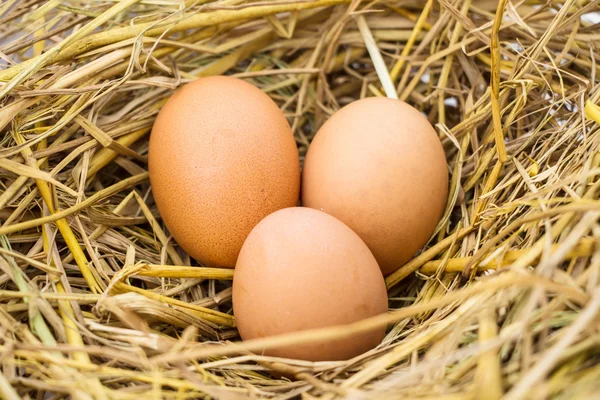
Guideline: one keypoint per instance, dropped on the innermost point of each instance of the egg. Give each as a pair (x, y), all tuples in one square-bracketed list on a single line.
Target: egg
[(378, 166), (301, 269), (221, 157)]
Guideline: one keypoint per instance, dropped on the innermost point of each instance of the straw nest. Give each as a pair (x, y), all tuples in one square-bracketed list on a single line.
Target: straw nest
[(96, 299)]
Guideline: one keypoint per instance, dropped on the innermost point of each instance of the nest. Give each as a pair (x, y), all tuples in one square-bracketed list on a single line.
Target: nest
[(96, 299)]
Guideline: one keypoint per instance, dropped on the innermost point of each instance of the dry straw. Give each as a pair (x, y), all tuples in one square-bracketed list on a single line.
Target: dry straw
[(97, 301)]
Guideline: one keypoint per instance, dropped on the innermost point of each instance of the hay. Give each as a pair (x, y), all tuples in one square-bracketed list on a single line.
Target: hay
[(97, 301)]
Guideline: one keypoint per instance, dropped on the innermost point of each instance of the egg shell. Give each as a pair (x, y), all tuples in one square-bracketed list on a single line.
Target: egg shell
[(378, 166), (222, 156), (302, 269)]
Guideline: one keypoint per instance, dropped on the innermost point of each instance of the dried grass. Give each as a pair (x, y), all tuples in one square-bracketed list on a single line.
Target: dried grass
[(97, 301)]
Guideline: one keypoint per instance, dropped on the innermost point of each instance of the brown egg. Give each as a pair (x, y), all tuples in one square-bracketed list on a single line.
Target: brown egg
[(378, 166), (222, 157), (301, 269)]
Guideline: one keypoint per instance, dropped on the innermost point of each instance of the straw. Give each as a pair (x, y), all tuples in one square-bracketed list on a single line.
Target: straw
[(97, 300)]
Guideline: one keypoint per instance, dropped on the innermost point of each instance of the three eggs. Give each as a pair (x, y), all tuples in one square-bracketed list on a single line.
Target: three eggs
[(226, 179)]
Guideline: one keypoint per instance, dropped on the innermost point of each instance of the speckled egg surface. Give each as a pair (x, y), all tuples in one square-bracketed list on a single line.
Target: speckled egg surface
[(301, 269), (222, 156), (378, 166)]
